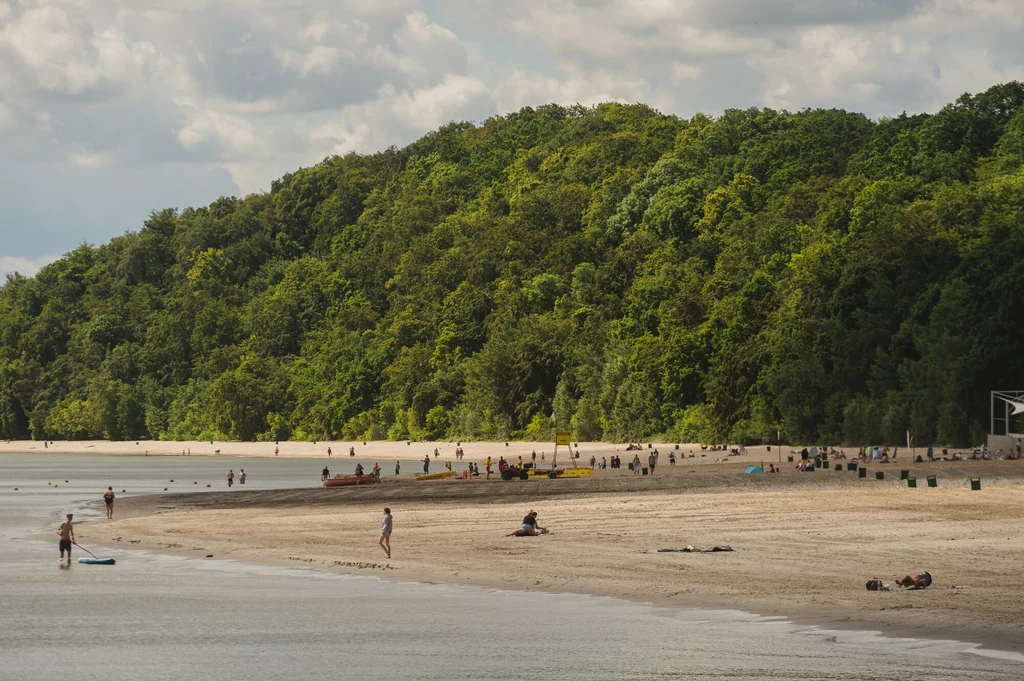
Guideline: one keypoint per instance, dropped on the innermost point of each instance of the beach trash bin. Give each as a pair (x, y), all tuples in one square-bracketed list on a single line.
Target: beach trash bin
[(975, 484), (852, 466), (789, 459), (677, 447), (839, 469), (879, 475), (862, 472), (630, 465), (643, 471), (932, 482), (911, 482), (904, 475), (824, 464)]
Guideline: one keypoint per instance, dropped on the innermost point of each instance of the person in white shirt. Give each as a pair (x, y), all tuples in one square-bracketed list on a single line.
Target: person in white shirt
[(385, 532)]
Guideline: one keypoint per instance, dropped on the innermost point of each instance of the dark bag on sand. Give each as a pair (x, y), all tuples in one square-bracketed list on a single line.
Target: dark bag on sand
[(874, 584)]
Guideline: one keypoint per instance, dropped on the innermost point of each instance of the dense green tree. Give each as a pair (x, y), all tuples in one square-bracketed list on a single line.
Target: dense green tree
[(811, 276)]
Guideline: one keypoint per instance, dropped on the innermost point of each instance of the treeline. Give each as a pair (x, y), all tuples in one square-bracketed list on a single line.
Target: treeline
[(815, 274)]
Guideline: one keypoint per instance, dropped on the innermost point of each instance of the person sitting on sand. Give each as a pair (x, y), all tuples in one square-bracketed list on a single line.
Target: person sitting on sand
[(351, 451), (530, 525), (916, 581)]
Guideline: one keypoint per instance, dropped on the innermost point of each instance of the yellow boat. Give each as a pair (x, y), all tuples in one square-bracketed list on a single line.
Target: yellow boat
[(437, 476), (561, 472)]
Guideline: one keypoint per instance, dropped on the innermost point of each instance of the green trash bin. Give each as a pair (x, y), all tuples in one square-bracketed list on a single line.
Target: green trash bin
[(904, 475), (879, 475), (789, 459), (975, 484), (677, 447), (852, 466), (911, 482), (643, 471), (824, 464), (862, 472), (630, 465), (932, 482), (839, 469)]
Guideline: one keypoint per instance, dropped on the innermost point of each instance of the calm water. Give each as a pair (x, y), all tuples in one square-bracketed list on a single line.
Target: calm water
[(160, 617)]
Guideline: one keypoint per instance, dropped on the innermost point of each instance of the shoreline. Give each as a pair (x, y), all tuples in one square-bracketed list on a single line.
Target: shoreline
[(799, 573)]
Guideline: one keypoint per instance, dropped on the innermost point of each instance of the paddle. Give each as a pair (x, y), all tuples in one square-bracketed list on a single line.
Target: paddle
[(86, 550)]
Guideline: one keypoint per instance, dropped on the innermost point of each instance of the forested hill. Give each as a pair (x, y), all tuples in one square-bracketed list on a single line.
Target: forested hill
[(835, 278)]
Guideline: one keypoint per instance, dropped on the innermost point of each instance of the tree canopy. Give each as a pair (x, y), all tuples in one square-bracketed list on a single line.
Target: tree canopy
[(817, 273)]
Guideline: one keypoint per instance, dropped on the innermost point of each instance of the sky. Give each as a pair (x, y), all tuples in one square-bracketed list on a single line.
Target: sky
[(110, 110)]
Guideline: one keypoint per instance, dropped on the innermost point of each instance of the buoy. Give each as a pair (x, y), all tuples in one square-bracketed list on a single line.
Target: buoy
[(196, 482), (15, 489), (122, 491), (172, 479), (49, 483), (65, 481), (56, 486), (165, 489), (207, 485)]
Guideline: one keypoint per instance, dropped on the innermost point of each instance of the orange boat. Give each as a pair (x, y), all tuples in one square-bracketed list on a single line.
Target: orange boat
[(349, 480)]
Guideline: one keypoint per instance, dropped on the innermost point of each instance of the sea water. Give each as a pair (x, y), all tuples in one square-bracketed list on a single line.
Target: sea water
[(164, 617)]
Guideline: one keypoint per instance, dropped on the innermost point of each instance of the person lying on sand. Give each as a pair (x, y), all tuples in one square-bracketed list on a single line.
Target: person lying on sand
[(916, 581)]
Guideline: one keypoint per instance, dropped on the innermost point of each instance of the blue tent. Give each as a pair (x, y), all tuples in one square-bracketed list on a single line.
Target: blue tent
[(753, 469)]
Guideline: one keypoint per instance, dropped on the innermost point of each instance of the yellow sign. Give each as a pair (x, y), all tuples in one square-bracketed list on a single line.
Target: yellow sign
[(562, 437)]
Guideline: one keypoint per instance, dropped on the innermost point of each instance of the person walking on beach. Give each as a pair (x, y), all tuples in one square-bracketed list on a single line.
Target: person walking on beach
[(67, 538), (652, 461), (241, 477), (231, 477), (398, 467), (426, 463), (636, 464), (108, 501), (276, 450), (376, 472), (487, 467), (325, 473), (328, 452), (385, 533)]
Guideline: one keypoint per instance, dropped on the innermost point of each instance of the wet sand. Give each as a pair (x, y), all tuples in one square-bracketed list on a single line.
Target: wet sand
[(804, 543)]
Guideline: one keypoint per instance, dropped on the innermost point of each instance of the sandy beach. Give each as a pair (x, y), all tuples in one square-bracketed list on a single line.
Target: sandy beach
[(804, 543)]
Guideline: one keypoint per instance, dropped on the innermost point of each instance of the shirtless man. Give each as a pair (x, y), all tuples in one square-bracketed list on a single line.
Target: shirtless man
[(67, 538), (108, 501)]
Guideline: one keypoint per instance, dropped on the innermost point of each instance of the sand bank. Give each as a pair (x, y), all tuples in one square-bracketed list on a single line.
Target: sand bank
[(805, 544)]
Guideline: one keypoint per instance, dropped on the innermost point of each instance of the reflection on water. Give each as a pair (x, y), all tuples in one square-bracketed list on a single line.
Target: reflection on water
[(160, 617)]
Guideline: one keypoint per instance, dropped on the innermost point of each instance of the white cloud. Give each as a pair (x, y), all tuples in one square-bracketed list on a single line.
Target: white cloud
[(107, 94), (26, 266), (87, 160)]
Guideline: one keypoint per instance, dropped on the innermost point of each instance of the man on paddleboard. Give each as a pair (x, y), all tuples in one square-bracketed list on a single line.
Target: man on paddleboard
[(67, 538)]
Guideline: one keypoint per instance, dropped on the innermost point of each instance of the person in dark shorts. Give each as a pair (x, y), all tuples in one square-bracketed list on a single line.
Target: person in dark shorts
[(67, 538), (108, 501)]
